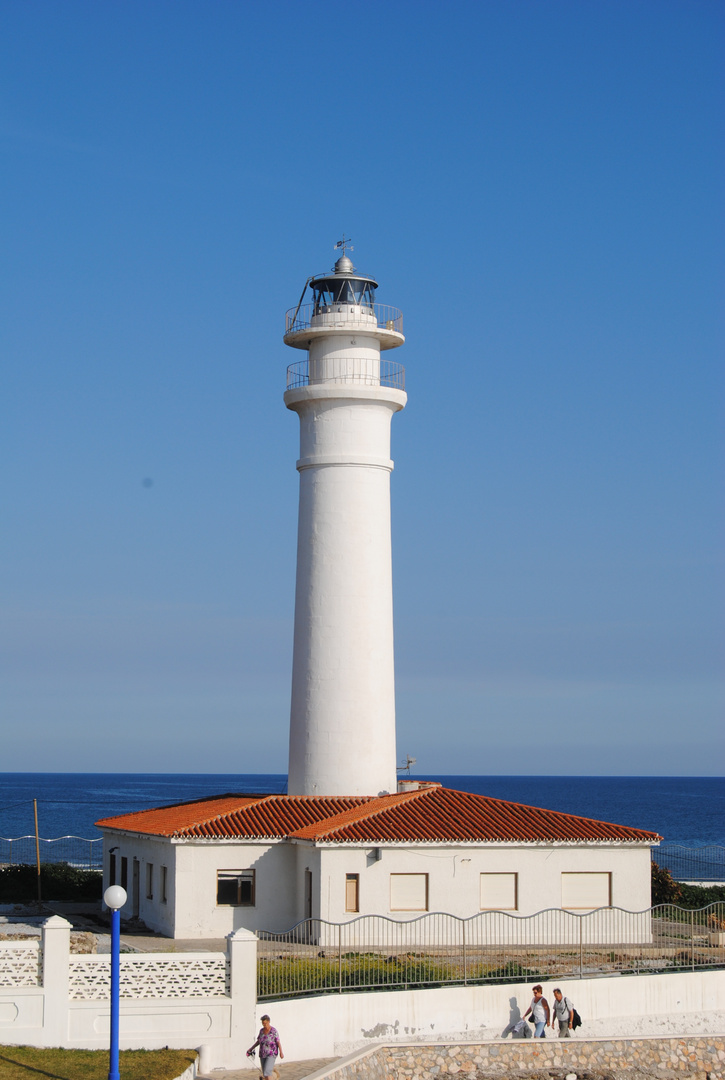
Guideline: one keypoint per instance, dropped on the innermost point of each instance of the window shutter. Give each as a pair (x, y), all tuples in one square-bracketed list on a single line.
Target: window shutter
[(586, 891), (499, 892), (408, 892)]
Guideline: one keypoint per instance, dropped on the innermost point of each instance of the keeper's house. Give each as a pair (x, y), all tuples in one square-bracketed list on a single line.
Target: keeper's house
[(264, 862)]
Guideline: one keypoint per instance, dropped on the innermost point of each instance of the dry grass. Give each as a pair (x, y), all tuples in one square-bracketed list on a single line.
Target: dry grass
[(31, 1063)]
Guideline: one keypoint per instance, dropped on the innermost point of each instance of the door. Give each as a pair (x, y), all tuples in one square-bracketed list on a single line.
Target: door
[(135, 887), (308, 894)]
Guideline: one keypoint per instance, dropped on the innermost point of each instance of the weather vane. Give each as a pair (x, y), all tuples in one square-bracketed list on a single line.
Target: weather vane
[(344, 244)]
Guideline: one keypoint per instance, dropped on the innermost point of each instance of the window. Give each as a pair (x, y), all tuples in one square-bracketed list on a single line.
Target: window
[(408, 892), (235, 887), (499, 892), (164, 878), (352, 892), (586, 891), (124, 873), (112, 868), (149, 881)]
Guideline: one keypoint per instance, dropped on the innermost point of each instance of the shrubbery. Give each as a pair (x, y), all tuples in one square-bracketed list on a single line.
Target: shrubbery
[(58, 881), (665, 890), (699, 896)]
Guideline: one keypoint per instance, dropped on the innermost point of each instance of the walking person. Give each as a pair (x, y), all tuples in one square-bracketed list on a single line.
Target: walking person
[(269, 1049), (540, 1014), (564, 1013)]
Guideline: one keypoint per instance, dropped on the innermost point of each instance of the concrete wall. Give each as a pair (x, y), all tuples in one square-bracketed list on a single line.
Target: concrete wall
[(333, 1025)]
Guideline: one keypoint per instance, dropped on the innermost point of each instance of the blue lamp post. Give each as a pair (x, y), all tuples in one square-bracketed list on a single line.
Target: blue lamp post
[(114, 898)]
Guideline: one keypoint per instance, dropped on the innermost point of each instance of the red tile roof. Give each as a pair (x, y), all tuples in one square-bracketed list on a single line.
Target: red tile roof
[(233, 816), (430, 815)]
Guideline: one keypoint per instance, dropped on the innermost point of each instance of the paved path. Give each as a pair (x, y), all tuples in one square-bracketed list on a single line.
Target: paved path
[(295, 1070)]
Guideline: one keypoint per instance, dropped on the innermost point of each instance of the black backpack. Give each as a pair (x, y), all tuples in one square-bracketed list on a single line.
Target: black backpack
[(576, 1020)]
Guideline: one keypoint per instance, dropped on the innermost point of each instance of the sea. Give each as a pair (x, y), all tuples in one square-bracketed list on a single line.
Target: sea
[(686, 810)]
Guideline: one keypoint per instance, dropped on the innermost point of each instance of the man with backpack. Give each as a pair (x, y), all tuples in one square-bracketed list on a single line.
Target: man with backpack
[(564, 1013)]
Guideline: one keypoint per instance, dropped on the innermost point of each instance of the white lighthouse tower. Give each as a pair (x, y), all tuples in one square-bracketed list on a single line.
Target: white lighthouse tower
[(342, 724)]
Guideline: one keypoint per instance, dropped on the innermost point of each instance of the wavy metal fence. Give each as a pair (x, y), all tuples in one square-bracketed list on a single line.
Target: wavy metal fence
[(374, 952), (87, 854), (699, 864)]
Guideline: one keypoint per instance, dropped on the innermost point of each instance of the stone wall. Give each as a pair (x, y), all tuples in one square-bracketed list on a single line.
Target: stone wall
[(691, 1057), (701, 1057)]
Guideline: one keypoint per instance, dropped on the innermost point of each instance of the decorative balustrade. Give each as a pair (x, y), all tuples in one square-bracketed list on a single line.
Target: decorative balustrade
[(187, 975), (20, 963)]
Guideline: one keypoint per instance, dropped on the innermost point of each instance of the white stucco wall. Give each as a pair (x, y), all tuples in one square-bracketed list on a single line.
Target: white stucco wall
[(337, 1024), (159, 915), (191, 910), (454, 875)]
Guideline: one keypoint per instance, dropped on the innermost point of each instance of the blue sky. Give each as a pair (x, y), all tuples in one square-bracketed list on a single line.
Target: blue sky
[(538, 186)]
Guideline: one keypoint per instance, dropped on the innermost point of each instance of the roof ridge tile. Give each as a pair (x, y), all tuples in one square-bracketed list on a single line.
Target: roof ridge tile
[(355, 814)]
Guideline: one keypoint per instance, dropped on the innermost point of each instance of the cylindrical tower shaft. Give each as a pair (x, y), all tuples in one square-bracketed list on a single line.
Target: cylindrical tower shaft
[(342, 723)]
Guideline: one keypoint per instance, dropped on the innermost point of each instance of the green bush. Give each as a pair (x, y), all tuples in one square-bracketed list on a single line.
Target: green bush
[(665, 890), (58, 881), (699, 896)]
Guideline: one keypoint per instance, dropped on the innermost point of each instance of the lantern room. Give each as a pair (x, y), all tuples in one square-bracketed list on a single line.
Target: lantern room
[(342, 287)]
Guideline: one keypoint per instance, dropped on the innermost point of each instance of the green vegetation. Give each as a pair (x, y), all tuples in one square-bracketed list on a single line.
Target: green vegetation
[(699, 896), (29, 1062), (311, 975), (665, 890), (58, 881)]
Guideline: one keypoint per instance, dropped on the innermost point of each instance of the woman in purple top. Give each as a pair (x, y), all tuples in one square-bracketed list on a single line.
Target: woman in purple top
[(269, 1048)]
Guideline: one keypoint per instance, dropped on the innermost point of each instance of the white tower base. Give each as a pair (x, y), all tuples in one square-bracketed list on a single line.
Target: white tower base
[(342, 726)]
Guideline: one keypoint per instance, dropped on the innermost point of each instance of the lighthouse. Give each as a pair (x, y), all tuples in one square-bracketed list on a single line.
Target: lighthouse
[(342, 719)]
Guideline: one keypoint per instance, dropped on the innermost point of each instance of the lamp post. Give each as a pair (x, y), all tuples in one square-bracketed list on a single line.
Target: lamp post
[(114, 898)]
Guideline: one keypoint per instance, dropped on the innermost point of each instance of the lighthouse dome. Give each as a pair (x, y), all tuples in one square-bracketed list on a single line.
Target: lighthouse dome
[(344, 265)]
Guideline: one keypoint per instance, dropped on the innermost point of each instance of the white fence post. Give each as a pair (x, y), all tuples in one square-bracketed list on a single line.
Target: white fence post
[(242, 950), (56, 952)]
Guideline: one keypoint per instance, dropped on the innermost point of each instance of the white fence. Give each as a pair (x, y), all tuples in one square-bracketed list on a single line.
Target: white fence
[(49, 997), (20, 963), (159, 976)]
